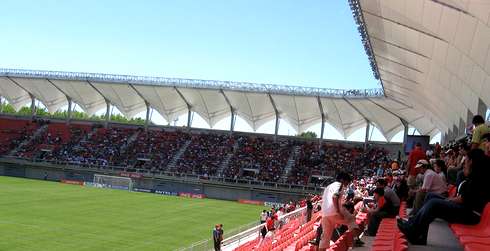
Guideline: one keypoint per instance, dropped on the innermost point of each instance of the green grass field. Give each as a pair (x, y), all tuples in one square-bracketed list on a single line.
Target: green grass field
[(40, 215)]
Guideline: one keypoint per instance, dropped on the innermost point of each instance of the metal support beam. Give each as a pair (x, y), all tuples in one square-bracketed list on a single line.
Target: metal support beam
[(232, 111), (33, 105), (68, 98), (107, 113), (405, 132), (189, 117), (147, 119), (276, 130), (189, 107), (324, 117), (69, 111), (147, 104), (232, 121), (368, 128), (1, 104), (108, 104), (392, 113)]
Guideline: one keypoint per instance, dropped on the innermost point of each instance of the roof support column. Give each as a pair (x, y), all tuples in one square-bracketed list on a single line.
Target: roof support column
[(232, 120), (189, 117), (69, 111), (1, 104), (107, 113), (189, 107), (324, 118), (147, 119), (368, 128), (232, 111), (33, 106), (405, 132), (276, 129)]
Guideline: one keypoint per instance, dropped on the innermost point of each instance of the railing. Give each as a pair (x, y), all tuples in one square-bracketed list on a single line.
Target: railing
[(164, 174), (235, 241)]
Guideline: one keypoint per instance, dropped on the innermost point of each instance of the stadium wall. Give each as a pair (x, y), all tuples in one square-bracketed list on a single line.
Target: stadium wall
[(210, 189)]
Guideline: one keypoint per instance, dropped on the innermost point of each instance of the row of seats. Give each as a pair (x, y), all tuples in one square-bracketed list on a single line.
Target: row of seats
[(475, 237), (291, 236), (389, 237)]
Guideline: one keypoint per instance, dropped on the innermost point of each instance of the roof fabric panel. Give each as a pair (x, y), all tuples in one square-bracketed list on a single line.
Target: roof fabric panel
[(262, 109), (309, 112), (16, 96), (216, 105), (44, 91), (83, 94), (123, 97), (387, 123), (299, 112), (343, 116), (165, 100), (209, 104), (240, 102), (450, 45)]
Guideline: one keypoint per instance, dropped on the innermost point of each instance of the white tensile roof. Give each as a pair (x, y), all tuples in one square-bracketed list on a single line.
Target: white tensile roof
[(346, 110), (431, 56)]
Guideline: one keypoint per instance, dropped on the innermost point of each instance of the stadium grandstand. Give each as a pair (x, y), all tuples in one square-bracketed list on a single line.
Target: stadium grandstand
[(432, 59)]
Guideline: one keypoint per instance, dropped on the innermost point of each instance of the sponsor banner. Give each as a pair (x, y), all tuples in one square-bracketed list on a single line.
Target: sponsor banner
[(192, 195), (144, 190), (273, 204), (119, 187), (166, 193), (198, 196), (131, 175), (72, 182), (252, 202)]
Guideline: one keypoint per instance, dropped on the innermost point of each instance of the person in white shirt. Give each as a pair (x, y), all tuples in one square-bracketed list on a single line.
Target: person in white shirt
[(334, 213), (433, 183)]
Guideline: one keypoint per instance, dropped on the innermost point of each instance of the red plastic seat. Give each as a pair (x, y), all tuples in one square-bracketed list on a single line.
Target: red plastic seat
[(475, 239), (476, 247), (460, 229)]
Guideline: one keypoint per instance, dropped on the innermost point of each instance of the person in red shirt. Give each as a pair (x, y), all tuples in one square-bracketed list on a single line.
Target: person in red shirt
[(269, 223), (415, 155)]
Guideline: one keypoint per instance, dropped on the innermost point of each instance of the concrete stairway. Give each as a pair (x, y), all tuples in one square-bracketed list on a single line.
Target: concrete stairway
[(177, 156), (38, 133)]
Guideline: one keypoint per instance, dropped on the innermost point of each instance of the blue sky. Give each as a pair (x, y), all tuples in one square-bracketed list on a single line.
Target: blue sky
[(309, 43)]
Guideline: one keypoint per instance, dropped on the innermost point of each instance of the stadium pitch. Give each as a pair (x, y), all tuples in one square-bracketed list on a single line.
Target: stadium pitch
[(41, 215)]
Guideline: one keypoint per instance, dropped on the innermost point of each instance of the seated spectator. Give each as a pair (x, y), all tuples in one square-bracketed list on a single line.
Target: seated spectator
[(480, 129), (433, 183), (440, 168), (388, 207), (485, 140), (465, 208)]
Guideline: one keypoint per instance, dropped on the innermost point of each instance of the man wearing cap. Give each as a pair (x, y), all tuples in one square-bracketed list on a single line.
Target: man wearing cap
[(433, 183), (415, 155)]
